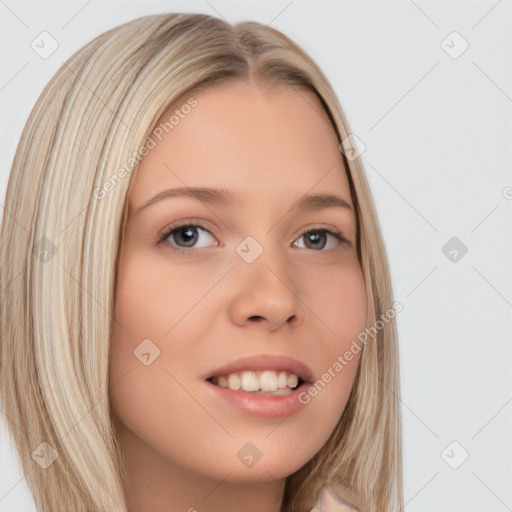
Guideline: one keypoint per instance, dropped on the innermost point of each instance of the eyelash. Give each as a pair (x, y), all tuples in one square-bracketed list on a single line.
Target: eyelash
[(161, 238)]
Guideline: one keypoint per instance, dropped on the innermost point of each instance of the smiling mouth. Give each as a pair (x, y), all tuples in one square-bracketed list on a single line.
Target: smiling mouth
[(267, 382)]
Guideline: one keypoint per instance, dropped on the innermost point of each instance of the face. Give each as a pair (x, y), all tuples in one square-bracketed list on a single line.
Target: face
[(232, 301)]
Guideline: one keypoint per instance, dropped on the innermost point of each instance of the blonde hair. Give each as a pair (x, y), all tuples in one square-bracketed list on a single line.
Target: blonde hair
[(60, 240)]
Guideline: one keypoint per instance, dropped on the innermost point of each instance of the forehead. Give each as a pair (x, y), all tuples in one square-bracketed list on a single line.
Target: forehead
[(249, 139)]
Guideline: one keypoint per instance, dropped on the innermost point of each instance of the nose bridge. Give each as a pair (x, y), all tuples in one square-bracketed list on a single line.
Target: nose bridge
[(266, 288), (265, 261)]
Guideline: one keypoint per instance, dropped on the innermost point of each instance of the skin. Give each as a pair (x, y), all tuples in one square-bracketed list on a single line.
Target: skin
[(269, 147)]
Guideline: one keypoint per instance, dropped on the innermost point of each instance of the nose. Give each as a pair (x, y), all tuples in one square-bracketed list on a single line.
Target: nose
[(266, 294)]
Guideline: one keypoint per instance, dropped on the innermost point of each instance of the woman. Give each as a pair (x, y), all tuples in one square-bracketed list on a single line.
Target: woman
[(196, 303)]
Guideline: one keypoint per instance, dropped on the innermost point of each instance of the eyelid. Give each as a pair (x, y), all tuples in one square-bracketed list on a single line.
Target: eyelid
[(334, 232), (319, 226), (167, 230)]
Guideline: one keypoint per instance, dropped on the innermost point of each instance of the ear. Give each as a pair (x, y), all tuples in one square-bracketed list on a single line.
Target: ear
[(329, 501)]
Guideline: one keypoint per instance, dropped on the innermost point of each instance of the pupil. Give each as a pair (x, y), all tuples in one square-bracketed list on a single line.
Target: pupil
[(314, 237), (190, 235)]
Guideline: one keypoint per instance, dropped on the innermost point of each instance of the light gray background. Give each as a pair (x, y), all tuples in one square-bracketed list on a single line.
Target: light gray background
[(438, 136)]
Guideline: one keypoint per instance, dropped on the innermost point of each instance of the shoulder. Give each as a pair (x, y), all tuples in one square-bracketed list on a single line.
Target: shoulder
[(329, 501)]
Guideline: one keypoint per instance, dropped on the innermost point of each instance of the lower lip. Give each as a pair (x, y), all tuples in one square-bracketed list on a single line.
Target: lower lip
[(268, 406)]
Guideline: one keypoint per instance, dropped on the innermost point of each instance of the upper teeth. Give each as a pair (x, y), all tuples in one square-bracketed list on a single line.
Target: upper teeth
[(267, 380)]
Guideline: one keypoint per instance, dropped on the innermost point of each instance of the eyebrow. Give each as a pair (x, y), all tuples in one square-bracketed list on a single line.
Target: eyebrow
[(223, 197)]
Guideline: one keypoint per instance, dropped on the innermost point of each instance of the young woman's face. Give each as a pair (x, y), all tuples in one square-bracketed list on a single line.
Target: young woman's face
[(247, 287)]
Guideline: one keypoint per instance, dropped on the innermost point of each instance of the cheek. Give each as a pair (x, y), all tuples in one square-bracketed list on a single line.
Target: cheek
[(153, 401), (336, 299), (150, 401), (341, 308), (151, 298)]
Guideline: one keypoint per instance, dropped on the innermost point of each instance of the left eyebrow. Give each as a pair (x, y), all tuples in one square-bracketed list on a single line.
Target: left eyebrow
[(320, 201), (224, 197)]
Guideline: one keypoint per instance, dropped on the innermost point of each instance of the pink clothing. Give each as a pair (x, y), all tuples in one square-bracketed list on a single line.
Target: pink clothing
[(329, 501)]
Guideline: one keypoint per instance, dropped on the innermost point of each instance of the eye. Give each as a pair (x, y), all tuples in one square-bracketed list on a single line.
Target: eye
[(185, 237), (318, 239)]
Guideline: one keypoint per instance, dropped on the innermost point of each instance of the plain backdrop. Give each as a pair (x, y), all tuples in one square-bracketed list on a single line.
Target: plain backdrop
[(427, 86)]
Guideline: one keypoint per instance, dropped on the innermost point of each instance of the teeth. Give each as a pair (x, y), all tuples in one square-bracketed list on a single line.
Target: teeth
[(234, 382), (292, 380), (250, 382), (267, 381)]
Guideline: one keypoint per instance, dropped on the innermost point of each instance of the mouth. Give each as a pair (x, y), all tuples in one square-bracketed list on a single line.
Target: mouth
[(261, 385), (266, 382)]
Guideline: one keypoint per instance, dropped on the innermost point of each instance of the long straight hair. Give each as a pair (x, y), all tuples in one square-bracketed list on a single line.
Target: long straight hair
[(63, 222)]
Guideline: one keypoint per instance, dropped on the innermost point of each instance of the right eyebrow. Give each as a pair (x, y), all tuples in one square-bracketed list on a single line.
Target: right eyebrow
[(218, 196)]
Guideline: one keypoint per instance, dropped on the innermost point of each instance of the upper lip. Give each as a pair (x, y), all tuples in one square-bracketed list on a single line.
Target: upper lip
[(265, 362)]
